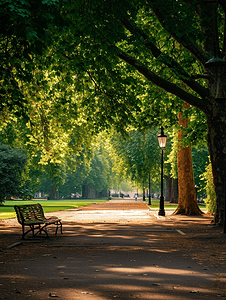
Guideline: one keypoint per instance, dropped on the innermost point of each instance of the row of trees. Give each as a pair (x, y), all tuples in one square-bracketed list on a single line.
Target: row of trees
[(115, 160), (70, 69)]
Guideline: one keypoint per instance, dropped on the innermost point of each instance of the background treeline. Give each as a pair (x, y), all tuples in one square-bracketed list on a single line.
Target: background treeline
[(112, 162)]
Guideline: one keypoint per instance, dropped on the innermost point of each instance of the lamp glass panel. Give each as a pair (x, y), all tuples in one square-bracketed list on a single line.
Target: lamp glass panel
[(162, 141)]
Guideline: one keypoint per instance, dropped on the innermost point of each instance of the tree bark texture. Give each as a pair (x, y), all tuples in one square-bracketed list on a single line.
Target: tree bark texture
[(54, 194), (216, 142), (143, 193), (187, 200), (168, 180), (174, 191)]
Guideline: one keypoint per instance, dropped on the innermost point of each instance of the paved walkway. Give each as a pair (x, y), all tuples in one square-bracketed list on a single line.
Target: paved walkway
[(112, 211), (107, 253)]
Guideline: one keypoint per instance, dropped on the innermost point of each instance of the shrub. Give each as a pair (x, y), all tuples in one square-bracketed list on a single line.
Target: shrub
[(210, 189), (12, 163)]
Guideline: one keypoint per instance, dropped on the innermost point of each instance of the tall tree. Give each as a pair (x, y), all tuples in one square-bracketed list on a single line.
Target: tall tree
[(136, 156), (165, 43), (187, 200), (169, 42)]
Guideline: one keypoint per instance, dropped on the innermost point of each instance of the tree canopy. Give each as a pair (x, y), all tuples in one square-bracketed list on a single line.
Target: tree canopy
[(176, 46), (127, 63)]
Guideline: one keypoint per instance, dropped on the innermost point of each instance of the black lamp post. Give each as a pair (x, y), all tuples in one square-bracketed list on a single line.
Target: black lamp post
[(149, 196), (162, 144)]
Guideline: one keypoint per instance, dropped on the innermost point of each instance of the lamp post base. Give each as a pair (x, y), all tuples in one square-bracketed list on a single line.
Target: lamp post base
[(149, 200), (161, 206), (161, 212)]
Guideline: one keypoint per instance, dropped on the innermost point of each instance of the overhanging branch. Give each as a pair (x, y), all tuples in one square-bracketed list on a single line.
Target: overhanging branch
[(192, 47), (174, 66), (162, 83)]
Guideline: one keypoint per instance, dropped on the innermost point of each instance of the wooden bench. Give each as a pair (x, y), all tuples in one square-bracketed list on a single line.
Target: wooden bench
[(33, 217)]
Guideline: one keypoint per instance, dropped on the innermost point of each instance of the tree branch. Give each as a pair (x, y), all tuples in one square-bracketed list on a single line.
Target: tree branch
[(198, 76), (207, 13), (166, 59), (192, 47), (162, 83)]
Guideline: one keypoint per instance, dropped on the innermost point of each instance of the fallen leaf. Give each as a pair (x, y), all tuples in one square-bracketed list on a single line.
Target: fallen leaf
[(61, 267), (53, 295)]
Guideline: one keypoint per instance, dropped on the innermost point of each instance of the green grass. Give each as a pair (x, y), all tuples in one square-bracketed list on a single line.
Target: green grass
[(168, 206), (155, 205), (7, 210)]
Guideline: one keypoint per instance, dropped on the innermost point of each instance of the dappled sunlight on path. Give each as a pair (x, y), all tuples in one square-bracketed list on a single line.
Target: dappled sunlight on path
[(111, 253)]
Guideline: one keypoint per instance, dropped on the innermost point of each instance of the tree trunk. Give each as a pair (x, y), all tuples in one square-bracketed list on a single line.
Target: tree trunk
[(143, 193), (216, 120), (54, 194), (187, 201), (168, 187), (174, 191)]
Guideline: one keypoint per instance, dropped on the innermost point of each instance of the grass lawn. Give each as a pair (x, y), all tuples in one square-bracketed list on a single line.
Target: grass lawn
[(155, 205), (170, 206), (7, 210)]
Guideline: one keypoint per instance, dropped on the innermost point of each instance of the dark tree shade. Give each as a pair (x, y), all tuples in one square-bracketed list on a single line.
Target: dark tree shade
[(12, 163)]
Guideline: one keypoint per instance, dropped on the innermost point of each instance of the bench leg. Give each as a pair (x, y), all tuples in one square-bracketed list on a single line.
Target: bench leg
[(23, 232), (42, 229), (32, 229), (58, 224), (39, 228), (29, 230)]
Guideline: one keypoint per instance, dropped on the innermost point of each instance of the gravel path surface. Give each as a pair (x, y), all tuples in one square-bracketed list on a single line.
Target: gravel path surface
[(115, 250)]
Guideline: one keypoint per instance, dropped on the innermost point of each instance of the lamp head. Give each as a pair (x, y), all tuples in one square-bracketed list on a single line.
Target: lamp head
[(216, 65), (162, 139)]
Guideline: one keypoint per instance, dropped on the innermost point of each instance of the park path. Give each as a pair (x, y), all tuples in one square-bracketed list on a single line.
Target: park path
[(135, 255), (110, 211)]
